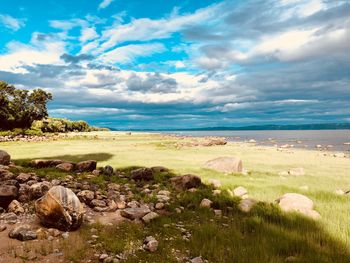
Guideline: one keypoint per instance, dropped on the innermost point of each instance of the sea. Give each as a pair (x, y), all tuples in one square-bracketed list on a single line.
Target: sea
[(332, 140)]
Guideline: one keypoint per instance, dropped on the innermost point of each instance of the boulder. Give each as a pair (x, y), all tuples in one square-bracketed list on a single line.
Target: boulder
[(135, 213), (293, 202), (225, 165), (142, 174), (5, 158), (37, 190), (185, 182), (65, 167), (60, 208), (23, 233), (86, 166), (44, 163), (7, 194)]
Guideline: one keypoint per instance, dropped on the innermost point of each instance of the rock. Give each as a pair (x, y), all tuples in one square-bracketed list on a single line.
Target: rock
[(5, 158), (23, 233), (98, 203), (225, 165), (6, 175), (10, 218), (159, 169), (96, 172), (185, 182), (65, 167), (206, 203), (2, 228), (86, 166), (150, 244), (149, 217), (197, 260), (240, 191), (214, 183), (163, 198), (23, 177), (159, 206), (43, 163), (339, 192), (86, 196), (218, 212), (15, 207), (135, 213), (102, 257), (247, 204), (298, 203), (297, 171), (37, 190), (60, 208), (7, 194), (108, 170), (145, 174)]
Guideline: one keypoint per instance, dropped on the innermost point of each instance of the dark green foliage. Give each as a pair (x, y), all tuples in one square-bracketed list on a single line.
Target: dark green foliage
[(19, 108)]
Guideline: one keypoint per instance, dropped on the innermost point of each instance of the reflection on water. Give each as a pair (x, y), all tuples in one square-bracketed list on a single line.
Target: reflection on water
[(330, 139)]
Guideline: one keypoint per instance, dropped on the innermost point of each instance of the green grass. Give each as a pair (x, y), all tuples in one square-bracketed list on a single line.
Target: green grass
[(265, 234)]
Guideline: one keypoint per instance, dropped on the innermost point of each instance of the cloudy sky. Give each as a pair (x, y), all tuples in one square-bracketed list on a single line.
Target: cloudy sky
[(182, 63)]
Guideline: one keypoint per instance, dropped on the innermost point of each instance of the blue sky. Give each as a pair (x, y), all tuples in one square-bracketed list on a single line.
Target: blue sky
[(182, 64)]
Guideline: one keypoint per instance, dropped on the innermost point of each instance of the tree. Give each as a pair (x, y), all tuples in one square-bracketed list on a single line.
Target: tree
[(19, 108)]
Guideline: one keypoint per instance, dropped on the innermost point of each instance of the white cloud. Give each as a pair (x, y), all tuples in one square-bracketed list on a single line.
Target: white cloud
[(104, 4), (128, 53), (11, 22), (87, 34)]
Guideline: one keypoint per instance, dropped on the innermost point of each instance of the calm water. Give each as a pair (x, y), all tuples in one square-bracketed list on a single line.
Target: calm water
[(299, 138)]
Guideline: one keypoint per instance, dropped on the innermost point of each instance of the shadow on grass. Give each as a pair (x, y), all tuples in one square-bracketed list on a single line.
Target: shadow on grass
[(99, 157)]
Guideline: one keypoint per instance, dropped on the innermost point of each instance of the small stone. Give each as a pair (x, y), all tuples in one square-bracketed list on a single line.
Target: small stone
[(65, 235), (197, 260), (246, 205), (240, 191), (103, 257), (23, 233), (159, 206), (108, 170), (16, 207), (151, 244), (218, 212), (149, 217), (2, 228), (135, 213), (214, 183), (65, 167), (206, 203)]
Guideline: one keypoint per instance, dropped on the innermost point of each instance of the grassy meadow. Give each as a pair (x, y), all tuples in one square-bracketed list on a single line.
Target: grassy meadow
[(264, 235)]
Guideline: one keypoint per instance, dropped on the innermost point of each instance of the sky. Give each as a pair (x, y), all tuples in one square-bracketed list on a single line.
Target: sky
[(174, 64)]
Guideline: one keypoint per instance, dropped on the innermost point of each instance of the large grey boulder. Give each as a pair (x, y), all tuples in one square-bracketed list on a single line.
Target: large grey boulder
[(60, 208), (225, 165), (293, 202), (5, 158)]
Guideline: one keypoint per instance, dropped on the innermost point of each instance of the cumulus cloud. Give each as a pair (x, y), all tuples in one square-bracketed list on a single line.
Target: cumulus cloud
[(104, 4), (10, 22)]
